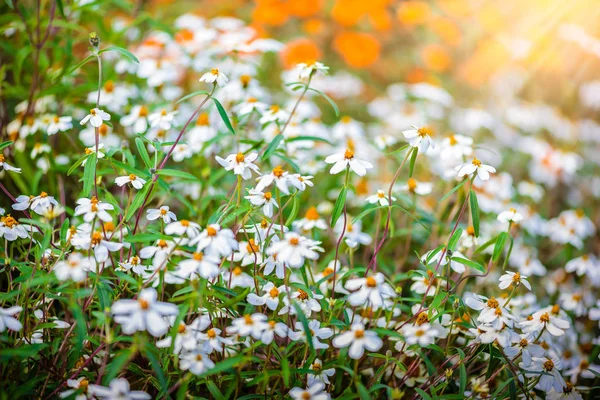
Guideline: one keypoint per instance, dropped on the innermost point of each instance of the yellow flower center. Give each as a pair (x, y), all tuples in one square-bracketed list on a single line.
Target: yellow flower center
[(302, 295), (359, 333), (312, 214), (198, 256), (210, 231), (371, 282), (348, 154), (425, 131), (239, 157), (476, 162), (144, 305)]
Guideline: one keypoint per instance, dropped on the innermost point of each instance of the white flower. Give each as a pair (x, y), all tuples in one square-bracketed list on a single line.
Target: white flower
[(294, 249), (515, 279), (310, 221), (203, 265), (249, 253), (75, 267), (57, 124), (93, 208), (319, 374), (89, 150), (238, 278), (316, 391), (240, 164), (214, 76), (134, 180), (316, 332), (6, 166), (270, 298), (117, 389), (266, 200), (134, 264), (307, 302), (162, 119), (379, 197), (215, 240), (39, 204), (526, 347), (511, 215), (420, 188), (278, 176), (353, 236), (11, 229), (420, 138), (423, 334), (482, 171), (80, 385), (145, 313), (305, 70), (548, 370), (197, 362), (371, 291), (183, 227), (137, 119), (7, 319), (347, 160), (358, 339), (274, 113), (491, 312), (163, 213), (249, 325), (95, 117), (546, 319), (274, 328)]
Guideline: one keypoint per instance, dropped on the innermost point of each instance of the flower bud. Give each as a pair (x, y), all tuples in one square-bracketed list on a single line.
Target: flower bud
[(94, 40)]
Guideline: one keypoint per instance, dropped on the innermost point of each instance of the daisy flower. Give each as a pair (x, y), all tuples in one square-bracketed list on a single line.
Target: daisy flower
[(6, 166), (482, 171), (515, 279), (215, 240), (197, 362), (305, 70), (294, 249), (133, 179), (163, 213), (266, 200), (214, 76), (240, 164), (8, 320), (316, 391), (379, 197), (510, 216), (95, 117), (59, 124), (358, 339), (347, 160), (420, 138), (145, 313), (75, 267), (117, 389)]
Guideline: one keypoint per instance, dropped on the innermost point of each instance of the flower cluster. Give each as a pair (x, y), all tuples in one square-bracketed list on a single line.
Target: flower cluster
[(241, 238)]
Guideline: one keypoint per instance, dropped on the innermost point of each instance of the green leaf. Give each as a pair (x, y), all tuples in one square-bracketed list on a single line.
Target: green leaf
[(424, 395), (500, 242), (272, 146), (139, 143), (362, 391), (474, 211), (77, 164), (138, 200), (309, 138), (176, 173), (294, 212), (413, 160), (329, 100), (339, 206), (81, 64), (454, 239), (121, 50), (89, 172), (117, 363), (214, 390), (469, 263), (5, 145), (224, 115), (193, 94), (397, 150), (454, 189)]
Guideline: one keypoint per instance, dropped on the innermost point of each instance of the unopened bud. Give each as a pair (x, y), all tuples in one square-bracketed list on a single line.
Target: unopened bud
[(94, 39)]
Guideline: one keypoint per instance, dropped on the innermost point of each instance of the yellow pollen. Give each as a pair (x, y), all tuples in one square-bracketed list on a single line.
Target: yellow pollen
[(294, 241), (132, 177), (56, 119), (163, 211), (203, 120), (198, 256), (419, 332), (251, 247), (264, 224), (210, 231), (93, 111), (476, 162), (371, 282), (43, 194), (109, 226), (248, 319), (350, 228), (181, 328), (555, 309), (359, 333), (412, 184), (239, 157), (237, 271), (453, 140), (214, 71), (9, 221), (274, 292), (144, 305), (268, 196), (252, 100), (185, 222), (135, 260), (348, 154), (492, 303), (545, 317), (278, 171), (109, 86), (425, 131), (549, 365), (162, 243), (198, 357), (87, 152), (422, 318), (516, 278), (103, 130), (274, 108), (211, 333), (346, 119), (312, 214), (523, 343), (381, 194), (96, 238), (471, 231), (245, 79), (302, 295), (163, 112), (143, 111)]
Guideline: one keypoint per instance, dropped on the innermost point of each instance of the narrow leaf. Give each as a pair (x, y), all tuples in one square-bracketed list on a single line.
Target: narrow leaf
[(474, 211), (189, 96), (339, 206), (224, 115), (121, 50), (272, 146)]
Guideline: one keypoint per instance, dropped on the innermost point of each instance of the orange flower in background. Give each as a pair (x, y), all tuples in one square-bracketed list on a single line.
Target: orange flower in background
[(455, 8), (436, 58), (413, 13), (358, 49), (270, 12), (447, 30), (300, 50), (313, 26), (348, 12), (380, 19), (487, 59), (304, 8)]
